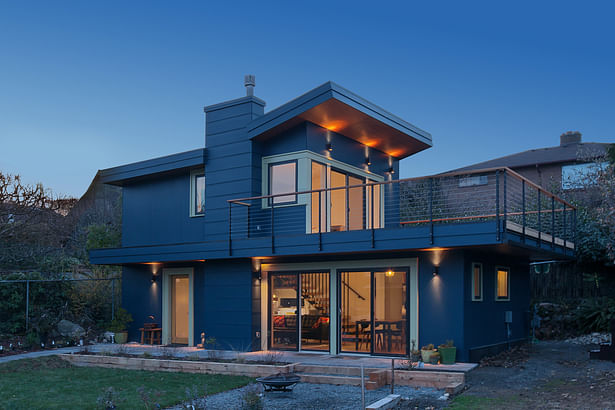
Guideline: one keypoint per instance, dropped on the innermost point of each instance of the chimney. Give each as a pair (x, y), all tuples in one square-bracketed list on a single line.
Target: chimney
[(249, 81), (569, 137)]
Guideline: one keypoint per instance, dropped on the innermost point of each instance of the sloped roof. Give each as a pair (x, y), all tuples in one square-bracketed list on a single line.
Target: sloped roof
[(339, 110), (575, 152)]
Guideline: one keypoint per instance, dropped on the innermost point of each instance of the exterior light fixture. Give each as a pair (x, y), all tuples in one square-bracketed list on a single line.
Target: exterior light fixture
[(436, 270), (329, 146), (389, 273), (154, 278), (368, 161), (391, 170)]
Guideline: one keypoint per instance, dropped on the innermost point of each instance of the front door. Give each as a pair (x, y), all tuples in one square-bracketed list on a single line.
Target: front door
[(180, 308)]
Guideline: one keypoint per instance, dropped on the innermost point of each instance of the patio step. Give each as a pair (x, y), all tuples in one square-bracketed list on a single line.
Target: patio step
[(333, 370), (337, 380)]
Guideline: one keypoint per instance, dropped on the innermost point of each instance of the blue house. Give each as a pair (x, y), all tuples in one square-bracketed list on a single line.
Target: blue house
[(291, 230)]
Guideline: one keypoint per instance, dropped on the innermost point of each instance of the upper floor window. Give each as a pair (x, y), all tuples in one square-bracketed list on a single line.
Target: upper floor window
[(477, 282), (578, 176), (197, 193), (282, 180), (502, 284)]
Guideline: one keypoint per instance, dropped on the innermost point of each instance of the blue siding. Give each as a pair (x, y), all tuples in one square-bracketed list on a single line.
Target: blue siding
[(225, 307), (157, 211), (141, 298)]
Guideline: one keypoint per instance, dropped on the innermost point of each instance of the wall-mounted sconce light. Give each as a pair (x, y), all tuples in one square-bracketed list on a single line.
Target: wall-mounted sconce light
[(329, 146), (436, 270), (391, 170), (368, 161), (154, 278), (389, 273)]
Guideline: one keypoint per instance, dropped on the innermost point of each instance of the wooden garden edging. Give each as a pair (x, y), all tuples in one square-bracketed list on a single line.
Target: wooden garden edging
[(185, 366)]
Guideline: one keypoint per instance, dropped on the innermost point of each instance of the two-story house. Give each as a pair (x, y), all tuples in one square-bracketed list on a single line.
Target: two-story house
[(291, 230)]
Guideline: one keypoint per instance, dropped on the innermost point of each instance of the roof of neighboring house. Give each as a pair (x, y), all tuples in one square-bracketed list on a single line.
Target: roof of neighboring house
[(575, 152), (339, 110)]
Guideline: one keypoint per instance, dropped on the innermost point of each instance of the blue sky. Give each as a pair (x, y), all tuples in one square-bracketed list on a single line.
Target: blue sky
[(90, 85)]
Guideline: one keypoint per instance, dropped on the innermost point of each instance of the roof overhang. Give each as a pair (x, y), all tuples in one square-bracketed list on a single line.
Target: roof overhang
[(156, 166), (339, 110)]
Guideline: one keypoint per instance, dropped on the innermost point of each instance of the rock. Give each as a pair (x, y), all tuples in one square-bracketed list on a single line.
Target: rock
[(69, 329)]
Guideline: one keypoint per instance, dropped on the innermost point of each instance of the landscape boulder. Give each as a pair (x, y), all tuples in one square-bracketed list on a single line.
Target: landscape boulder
[(69, 329)]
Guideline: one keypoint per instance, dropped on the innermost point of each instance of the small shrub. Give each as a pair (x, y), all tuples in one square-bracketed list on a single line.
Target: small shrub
[(195, 400), (273, 357), (109, 399), (252, 398), (149, 397), (594, 315)]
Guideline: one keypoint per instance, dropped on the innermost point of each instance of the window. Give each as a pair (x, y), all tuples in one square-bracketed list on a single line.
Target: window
[(197, 193), (472, 181), (282, 180), (502, 284), (581, 175), (477, 282)]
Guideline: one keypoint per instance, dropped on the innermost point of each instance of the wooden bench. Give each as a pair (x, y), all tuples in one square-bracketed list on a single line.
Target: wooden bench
[(152, 333)]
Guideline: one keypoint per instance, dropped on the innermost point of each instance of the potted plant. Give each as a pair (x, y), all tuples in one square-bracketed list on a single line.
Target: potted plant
[(448, 351), (426, 352), (434, 358), (119, 325)]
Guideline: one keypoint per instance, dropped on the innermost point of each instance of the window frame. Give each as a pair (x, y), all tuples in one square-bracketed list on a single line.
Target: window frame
[(271, 201), (474, 298), (507, 270), (194, 174)]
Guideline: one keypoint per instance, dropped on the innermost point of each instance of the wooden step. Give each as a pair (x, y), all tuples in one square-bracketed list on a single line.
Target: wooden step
[(337, 380), (333, 370)]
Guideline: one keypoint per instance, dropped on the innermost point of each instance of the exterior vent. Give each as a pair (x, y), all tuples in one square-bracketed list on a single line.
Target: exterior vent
[(249, 80)]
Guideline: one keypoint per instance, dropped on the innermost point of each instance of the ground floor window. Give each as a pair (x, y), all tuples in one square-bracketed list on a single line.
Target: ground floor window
[(477, 282), (373, 311), (299, 306), (502, 284)]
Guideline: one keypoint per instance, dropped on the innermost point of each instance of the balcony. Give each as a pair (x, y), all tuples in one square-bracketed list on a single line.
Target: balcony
[(491, 206)]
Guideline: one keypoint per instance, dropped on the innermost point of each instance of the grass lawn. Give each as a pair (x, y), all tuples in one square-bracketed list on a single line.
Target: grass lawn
[(52, 383)]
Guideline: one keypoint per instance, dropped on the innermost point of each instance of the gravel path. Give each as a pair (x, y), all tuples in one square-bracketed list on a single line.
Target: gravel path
[(316, 396)]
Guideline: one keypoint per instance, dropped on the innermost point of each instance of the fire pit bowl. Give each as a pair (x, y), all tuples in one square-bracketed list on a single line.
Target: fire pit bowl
[(279, 382)]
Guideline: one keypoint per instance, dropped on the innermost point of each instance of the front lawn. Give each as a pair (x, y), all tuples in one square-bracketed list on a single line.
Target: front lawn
[(52, 383)]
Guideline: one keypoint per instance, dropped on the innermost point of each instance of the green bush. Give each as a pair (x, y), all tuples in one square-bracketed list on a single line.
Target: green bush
[(594, 315)]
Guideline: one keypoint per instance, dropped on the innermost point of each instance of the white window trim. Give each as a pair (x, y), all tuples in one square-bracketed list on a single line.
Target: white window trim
[(193, 174), (475, 264), (304, 160), (495, 288)]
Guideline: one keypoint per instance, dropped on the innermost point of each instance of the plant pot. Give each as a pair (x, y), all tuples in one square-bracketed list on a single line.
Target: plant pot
[(447, 355), (426, 354), (121, 337), (434, 358)]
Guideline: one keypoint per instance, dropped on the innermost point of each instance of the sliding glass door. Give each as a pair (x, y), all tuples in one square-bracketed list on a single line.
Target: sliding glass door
[(299, 311), (374, 312)]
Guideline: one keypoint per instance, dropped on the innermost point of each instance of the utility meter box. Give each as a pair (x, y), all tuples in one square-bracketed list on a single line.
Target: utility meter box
[(508, 316)]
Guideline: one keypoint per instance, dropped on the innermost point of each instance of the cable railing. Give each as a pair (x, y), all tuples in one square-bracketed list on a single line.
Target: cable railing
[(497, 195)]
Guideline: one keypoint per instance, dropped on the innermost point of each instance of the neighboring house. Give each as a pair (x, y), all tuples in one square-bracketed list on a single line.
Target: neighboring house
[(563, 168), (290, 230)]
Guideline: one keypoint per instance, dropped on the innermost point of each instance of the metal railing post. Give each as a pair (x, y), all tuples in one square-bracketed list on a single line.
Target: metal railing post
[(431, 211), (552, 221), (574, 227), (505, 209), (523, 206), (372, 217), (320, 220), (497, 205), (272, 226), (248, 221), (564, 227), (230, 228)]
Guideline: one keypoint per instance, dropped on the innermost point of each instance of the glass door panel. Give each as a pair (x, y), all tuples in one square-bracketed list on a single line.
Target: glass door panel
[(390, 312), (373, 202), (319, 208), (338, 202), (355, 312), (356, 206), (180, 308), (284, 326), (315, 311)]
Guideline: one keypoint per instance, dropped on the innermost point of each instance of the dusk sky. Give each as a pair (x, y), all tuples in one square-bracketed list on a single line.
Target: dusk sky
[(90, 85)]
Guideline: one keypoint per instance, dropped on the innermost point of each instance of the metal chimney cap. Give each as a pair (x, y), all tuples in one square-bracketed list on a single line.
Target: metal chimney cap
[(249, 80)]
